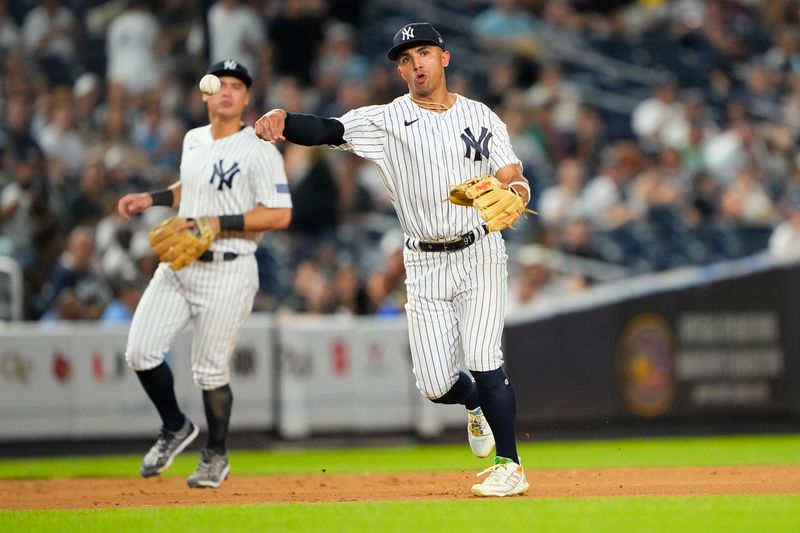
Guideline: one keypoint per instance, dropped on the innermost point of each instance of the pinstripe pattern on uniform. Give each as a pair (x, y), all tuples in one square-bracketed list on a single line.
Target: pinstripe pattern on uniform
[(456, 300), (217, 297), (261, 170), (231, 175), (456, 306), (418, 163)]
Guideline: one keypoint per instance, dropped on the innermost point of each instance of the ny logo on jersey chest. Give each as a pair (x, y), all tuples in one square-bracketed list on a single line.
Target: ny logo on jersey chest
[(225, 175), (481, 145)]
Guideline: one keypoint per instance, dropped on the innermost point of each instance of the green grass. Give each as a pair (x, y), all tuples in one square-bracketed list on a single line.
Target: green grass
[(778, 449), (727, 514), (702, 514)]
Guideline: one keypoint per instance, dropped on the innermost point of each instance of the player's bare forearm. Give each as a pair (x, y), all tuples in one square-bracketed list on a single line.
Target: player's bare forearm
[(261, 218), (511, 176), (134, 203), (299, 128), (176, 194)]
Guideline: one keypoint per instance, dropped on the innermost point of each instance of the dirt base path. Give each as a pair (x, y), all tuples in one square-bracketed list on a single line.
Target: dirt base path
[(316, 488)]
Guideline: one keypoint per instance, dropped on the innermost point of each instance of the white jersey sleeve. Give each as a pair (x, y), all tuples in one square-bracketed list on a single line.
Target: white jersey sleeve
[(365, 132), (502, 153), (270, 186)]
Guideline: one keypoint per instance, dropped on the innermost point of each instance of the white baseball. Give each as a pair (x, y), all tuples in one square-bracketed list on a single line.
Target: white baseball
[(210, 84)]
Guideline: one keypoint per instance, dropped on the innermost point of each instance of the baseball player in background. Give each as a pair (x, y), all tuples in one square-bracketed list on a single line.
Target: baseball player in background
[(424, 142), (237, 183)]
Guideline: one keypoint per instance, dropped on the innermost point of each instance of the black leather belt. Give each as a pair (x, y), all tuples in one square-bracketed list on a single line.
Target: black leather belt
[(468, 239), (209, 256)]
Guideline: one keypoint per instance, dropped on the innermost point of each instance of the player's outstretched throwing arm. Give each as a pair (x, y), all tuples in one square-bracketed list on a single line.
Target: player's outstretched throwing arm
[(299, 128)]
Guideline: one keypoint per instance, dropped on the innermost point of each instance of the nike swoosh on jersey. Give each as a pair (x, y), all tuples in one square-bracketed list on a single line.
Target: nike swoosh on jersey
[(410, 122)]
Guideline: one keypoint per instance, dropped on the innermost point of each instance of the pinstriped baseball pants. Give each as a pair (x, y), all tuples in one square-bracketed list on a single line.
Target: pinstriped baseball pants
[(216, 297), (456, 305)]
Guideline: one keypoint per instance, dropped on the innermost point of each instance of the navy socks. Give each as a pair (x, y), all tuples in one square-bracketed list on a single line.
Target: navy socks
[(160, 388), (499, 406), (463, 391)]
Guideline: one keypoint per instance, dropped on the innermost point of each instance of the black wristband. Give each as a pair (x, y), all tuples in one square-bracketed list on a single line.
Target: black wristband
[(231, 223), (163, 197)]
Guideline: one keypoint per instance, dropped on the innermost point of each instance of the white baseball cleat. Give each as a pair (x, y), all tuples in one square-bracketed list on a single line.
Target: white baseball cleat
[(505, 479), (481, 439)]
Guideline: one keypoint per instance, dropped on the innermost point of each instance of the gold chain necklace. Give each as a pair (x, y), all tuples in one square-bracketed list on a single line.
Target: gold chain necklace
[(434, 106)]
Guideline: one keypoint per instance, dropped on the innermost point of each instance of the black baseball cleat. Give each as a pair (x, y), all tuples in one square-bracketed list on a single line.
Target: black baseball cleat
[(167, 447)]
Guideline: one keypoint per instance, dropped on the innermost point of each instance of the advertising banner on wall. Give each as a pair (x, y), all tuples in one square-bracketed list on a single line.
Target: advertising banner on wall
[(343, 373), (723, 347), (73, 382)]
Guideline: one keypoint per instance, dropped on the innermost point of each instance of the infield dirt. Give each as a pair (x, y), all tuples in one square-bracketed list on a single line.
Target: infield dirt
[(90, 493)]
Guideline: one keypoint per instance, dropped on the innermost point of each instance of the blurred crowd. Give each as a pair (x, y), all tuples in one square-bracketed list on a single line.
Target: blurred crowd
[(656, 134)]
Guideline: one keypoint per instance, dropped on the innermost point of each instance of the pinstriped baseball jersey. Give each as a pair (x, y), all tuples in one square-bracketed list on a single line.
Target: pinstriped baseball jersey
[(231, 175), (420, 154), (456, 300)]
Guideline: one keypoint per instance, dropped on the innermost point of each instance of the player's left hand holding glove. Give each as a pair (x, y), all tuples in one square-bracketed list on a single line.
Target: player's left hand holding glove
[(180, 241), (500, 208)]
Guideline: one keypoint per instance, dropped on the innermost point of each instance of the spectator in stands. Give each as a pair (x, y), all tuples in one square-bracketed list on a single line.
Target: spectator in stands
[(608, 199), (693, 113), (75, 266), (295, 35), (589, 139), (236, 31), (177, 19), (119, 311), (731, 151), (506, 27), (536, 286), (745, 201), (532, 154), (784, 54), (24, 205), (9, 31), (338, 61), (60, 139), (90, 198), (562, 202), (651, 115), (351, 295), (575, 239), (552, 87), (131, 47), (16, 130), (86, 98), (784, 243), (663, 186), (315, 193), (50, 35)]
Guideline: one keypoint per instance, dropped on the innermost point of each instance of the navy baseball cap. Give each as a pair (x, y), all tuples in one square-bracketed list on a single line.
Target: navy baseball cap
[(414, 34), (230, 67)]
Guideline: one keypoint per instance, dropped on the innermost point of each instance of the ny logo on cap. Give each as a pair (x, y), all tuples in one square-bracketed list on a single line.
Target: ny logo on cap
[(408, 33), (229, 64)]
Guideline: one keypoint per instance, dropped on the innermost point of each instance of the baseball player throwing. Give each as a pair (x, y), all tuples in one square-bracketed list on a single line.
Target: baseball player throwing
[(232, 187), (424, 143)]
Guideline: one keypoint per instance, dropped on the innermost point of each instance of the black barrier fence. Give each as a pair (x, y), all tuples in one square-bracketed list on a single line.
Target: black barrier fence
[(718, 347)]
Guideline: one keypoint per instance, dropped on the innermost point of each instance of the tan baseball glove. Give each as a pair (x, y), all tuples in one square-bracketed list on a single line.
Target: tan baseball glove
[(180, 247), (500, 208)]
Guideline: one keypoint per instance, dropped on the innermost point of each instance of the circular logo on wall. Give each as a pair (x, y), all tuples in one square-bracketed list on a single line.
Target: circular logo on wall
[(645, 365), (244, 361)]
